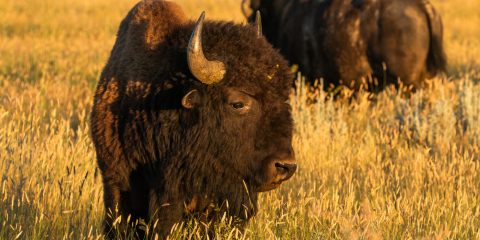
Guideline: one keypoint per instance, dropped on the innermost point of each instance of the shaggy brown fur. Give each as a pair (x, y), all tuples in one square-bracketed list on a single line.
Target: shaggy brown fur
[(161, 161), (351, 39)]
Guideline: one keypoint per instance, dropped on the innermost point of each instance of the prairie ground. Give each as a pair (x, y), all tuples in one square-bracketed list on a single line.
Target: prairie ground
[(382, 168)]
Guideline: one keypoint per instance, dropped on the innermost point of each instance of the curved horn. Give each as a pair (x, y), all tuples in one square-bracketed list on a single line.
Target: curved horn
[(246, 9), (258, 22), (205, 71)]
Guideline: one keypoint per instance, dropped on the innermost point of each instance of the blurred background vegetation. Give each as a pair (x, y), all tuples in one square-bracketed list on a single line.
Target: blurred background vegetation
[(373, 169)]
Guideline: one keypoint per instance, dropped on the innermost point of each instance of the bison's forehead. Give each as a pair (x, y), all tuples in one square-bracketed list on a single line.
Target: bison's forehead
[(252, 64), (251, 61)]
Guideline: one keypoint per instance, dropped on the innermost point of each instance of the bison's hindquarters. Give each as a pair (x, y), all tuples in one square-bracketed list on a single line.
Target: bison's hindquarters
[(437, 60)]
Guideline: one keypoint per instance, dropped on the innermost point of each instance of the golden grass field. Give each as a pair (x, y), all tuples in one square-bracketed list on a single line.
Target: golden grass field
[(388, 168)]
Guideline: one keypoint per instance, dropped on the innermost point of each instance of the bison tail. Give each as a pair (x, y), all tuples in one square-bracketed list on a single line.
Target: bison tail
[(436, 59)]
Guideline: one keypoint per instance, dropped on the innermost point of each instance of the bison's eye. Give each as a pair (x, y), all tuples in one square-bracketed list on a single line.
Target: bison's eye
[(238, 105)]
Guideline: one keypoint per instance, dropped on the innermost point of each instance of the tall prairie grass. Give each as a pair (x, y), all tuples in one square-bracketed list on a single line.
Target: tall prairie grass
[(371, 167)]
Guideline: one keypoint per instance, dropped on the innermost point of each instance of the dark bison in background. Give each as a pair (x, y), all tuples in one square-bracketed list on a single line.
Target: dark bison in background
[(351, 39), (180, 131)]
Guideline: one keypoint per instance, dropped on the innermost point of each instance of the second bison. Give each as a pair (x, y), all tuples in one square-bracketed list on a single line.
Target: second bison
[(349, 40)]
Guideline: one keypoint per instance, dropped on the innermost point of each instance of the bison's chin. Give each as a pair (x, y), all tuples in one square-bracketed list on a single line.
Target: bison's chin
[(269, 186)]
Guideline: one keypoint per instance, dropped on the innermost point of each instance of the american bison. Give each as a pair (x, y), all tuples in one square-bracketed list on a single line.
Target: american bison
[(189, 119), (351, 40)]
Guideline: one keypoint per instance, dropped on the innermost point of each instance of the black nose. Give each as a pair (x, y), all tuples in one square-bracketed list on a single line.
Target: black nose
[(285, 170)]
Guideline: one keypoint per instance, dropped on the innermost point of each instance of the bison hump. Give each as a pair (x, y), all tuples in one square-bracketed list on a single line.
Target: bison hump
[(150, 21)]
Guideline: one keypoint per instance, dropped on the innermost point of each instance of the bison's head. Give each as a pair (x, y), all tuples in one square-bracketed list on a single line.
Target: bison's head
[(242, 107)]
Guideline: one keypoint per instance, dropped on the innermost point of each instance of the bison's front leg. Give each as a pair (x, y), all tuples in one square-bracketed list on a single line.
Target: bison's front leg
[(114, 211), (121, 221), (163, 216)]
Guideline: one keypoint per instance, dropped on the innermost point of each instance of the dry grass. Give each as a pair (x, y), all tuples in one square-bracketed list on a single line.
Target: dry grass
[(371, 169)]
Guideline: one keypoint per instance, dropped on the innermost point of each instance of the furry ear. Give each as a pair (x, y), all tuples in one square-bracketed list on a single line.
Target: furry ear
[(191, 99)]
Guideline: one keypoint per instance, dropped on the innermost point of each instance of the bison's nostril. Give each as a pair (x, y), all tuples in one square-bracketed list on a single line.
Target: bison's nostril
[(281, 170), (285, 170)]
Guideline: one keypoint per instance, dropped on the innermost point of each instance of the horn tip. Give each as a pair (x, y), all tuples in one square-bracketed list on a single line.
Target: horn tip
[(258, 22)]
